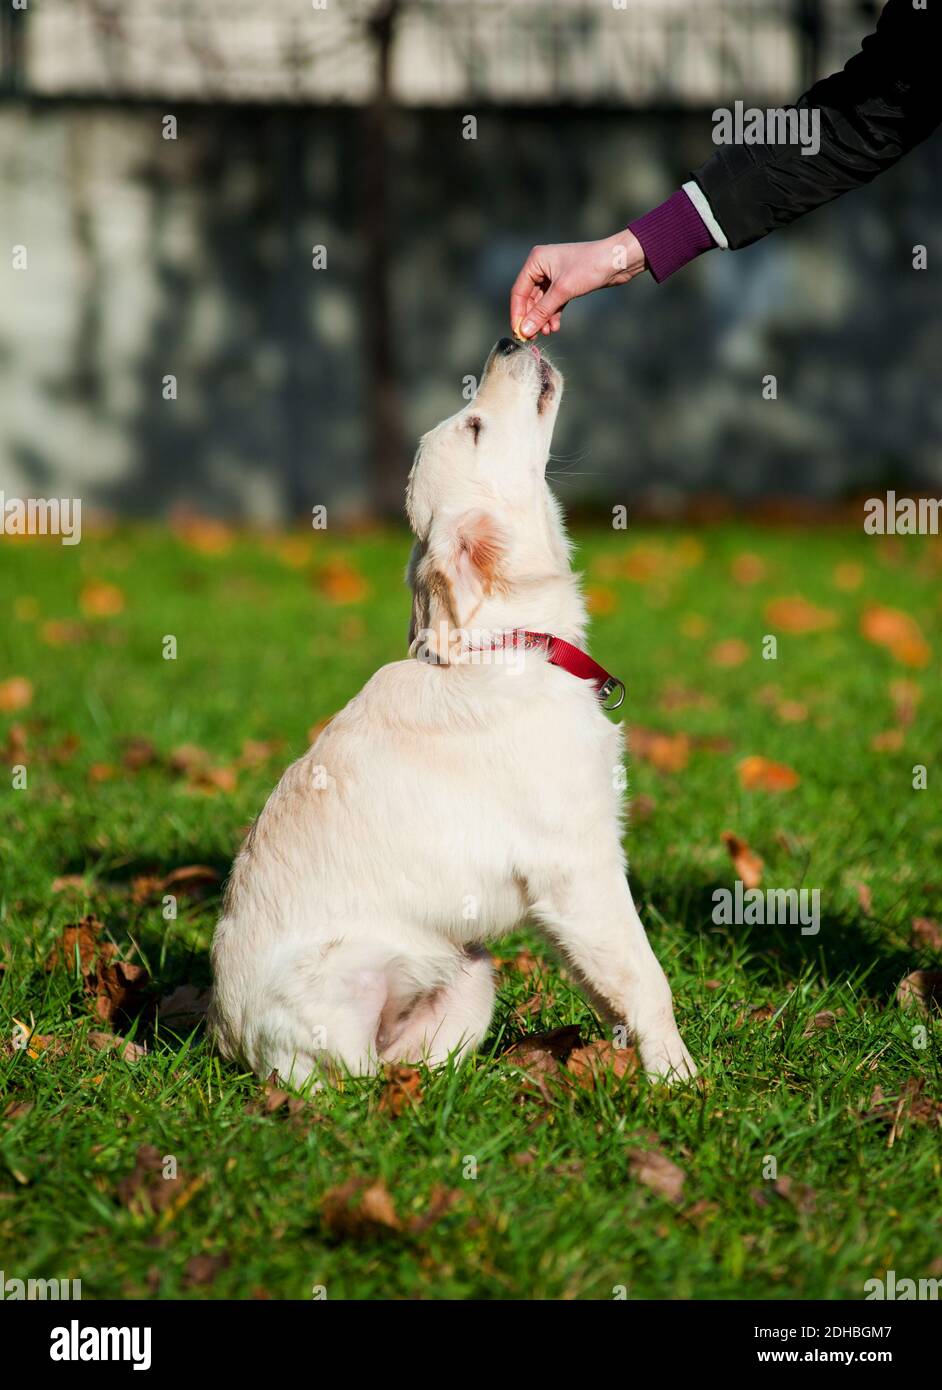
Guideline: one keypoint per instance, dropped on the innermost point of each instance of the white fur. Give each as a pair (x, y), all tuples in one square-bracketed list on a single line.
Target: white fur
[(457, 793)]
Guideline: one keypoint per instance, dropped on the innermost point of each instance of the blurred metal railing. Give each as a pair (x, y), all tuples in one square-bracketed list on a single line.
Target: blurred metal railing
[(641, 53)]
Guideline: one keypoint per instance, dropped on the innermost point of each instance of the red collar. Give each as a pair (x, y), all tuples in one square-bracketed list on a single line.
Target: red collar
[(572, 659)]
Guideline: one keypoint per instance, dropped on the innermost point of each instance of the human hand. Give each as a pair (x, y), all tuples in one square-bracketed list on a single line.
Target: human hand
[(552, 275)]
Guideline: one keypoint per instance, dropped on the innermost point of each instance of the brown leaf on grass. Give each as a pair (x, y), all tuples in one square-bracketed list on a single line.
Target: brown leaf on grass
[(82, 938), (190, 880), (541, 1056), (201, 1270), (213, 780), (796, 615), (128, 1051), (541, 1051), (792, 711), (748, 568), (701, 1213), (641, 808), (340, 582), (848, 576), (257, 752), (117, 985), (762, 774), (922, 989), (665, 752), (748, 865), (600, 599), (677, 696), (732, 651), (99, 599), (70, 883), (865, 899), (58, 632), (188, 758), (532, 1007), (184, 1008), (15, 694), (906, 695), (927, 933), (441, 1200), (593, 1064), (658, 1172), (359, 1208), (403, 1090), (821, 1021), (146, 1190), (798, 1195), (890, 741), (138, 753), (911, 1106), (101, 772), (119, 988), (898, 632), (203, 534), (17, 1109)]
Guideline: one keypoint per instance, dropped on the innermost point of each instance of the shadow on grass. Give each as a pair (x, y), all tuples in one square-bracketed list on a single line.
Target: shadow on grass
[(843, 947)]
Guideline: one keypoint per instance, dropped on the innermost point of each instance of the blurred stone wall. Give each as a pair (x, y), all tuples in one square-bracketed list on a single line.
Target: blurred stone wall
[(192, 258)]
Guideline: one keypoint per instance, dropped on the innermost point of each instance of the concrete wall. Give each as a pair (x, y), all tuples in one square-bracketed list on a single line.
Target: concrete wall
[(192, 257)]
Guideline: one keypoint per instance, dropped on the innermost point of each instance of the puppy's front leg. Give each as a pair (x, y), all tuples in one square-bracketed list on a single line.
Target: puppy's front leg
[(595, 923)]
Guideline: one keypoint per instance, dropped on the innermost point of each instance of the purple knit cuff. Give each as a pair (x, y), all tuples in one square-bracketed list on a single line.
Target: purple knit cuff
[(671, 235)]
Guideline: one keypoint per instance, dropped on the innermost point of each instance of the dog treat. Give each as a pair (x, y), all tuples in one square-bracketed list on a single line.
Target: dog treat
[(517, 334)]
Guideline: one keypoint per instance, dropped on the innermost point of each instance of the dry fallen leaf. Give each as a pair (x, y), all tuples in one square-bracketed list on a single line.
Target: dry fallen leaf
[(99, 599), (340, 582), (748, 865), (730, 652), (921, 989), (898, 632), (762, 774), (403, 1090), (592, 1065), (184, 1008), (600, 599), (658, 1172), (797, 615), (926, 932), (360, 1208), (15, 694), (748, 568), (146, 1190), (665, 752), (128, 1051)]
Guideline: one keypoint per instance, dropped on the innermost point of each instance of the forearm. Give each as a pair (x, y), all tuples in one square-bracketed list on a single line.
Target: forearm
[(885, 100)]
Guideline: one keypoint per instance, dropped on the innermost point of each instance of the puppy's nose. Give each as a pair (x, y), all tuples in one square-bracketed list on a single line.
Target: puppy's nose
[(506, 346)]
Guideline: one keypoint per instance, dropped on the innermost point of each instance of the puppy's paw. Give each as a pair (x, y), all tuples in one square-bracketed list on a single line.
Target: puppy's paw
[(666, 1059)]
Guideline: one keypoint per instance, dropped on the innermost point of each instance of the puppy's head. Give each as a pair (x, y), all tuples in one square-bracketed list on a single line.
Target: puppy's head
[(484, 518)]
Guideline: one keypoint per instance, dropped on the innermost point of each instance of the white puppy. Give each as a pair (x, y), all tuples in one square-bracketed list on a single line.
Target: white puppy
[(461, 790)]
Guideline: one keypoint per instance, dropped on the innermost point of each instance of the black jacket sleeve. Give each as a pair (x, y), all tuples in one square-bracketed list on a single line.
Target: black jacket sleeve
[(887, 99)]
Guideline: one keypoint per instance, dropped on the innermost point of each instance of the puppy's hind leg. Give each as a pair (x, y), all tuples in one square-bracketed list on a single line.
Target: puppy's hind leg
[(324, 1022), (451, 1020)]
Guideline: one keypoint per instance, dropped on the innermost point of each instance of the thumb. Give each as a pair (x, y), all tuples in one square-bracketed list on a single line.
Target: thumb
[(552, 300)]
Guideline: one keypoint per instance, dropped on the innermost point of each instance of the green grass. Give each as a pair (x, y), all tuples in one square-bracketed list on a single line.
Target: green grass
[(556, 1209)]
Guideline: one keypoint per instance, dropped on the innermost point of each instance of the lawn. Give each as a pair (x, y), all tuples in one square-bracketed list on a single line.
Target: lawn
[(805, 1161)]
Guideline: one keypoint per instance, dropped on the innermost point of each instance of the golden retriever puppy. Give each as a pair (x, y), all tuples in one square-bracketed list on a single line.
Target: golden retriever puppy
[(463, 789)]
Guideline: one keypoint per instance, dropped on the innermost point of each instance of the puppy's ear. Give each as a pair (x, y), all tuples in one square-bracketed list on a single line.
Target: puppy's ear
[(459, 566)]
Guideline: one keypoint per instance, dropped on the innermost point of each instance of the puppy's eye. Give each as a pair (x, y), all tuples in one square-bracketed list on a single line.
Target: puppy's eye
[(475, 426)]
